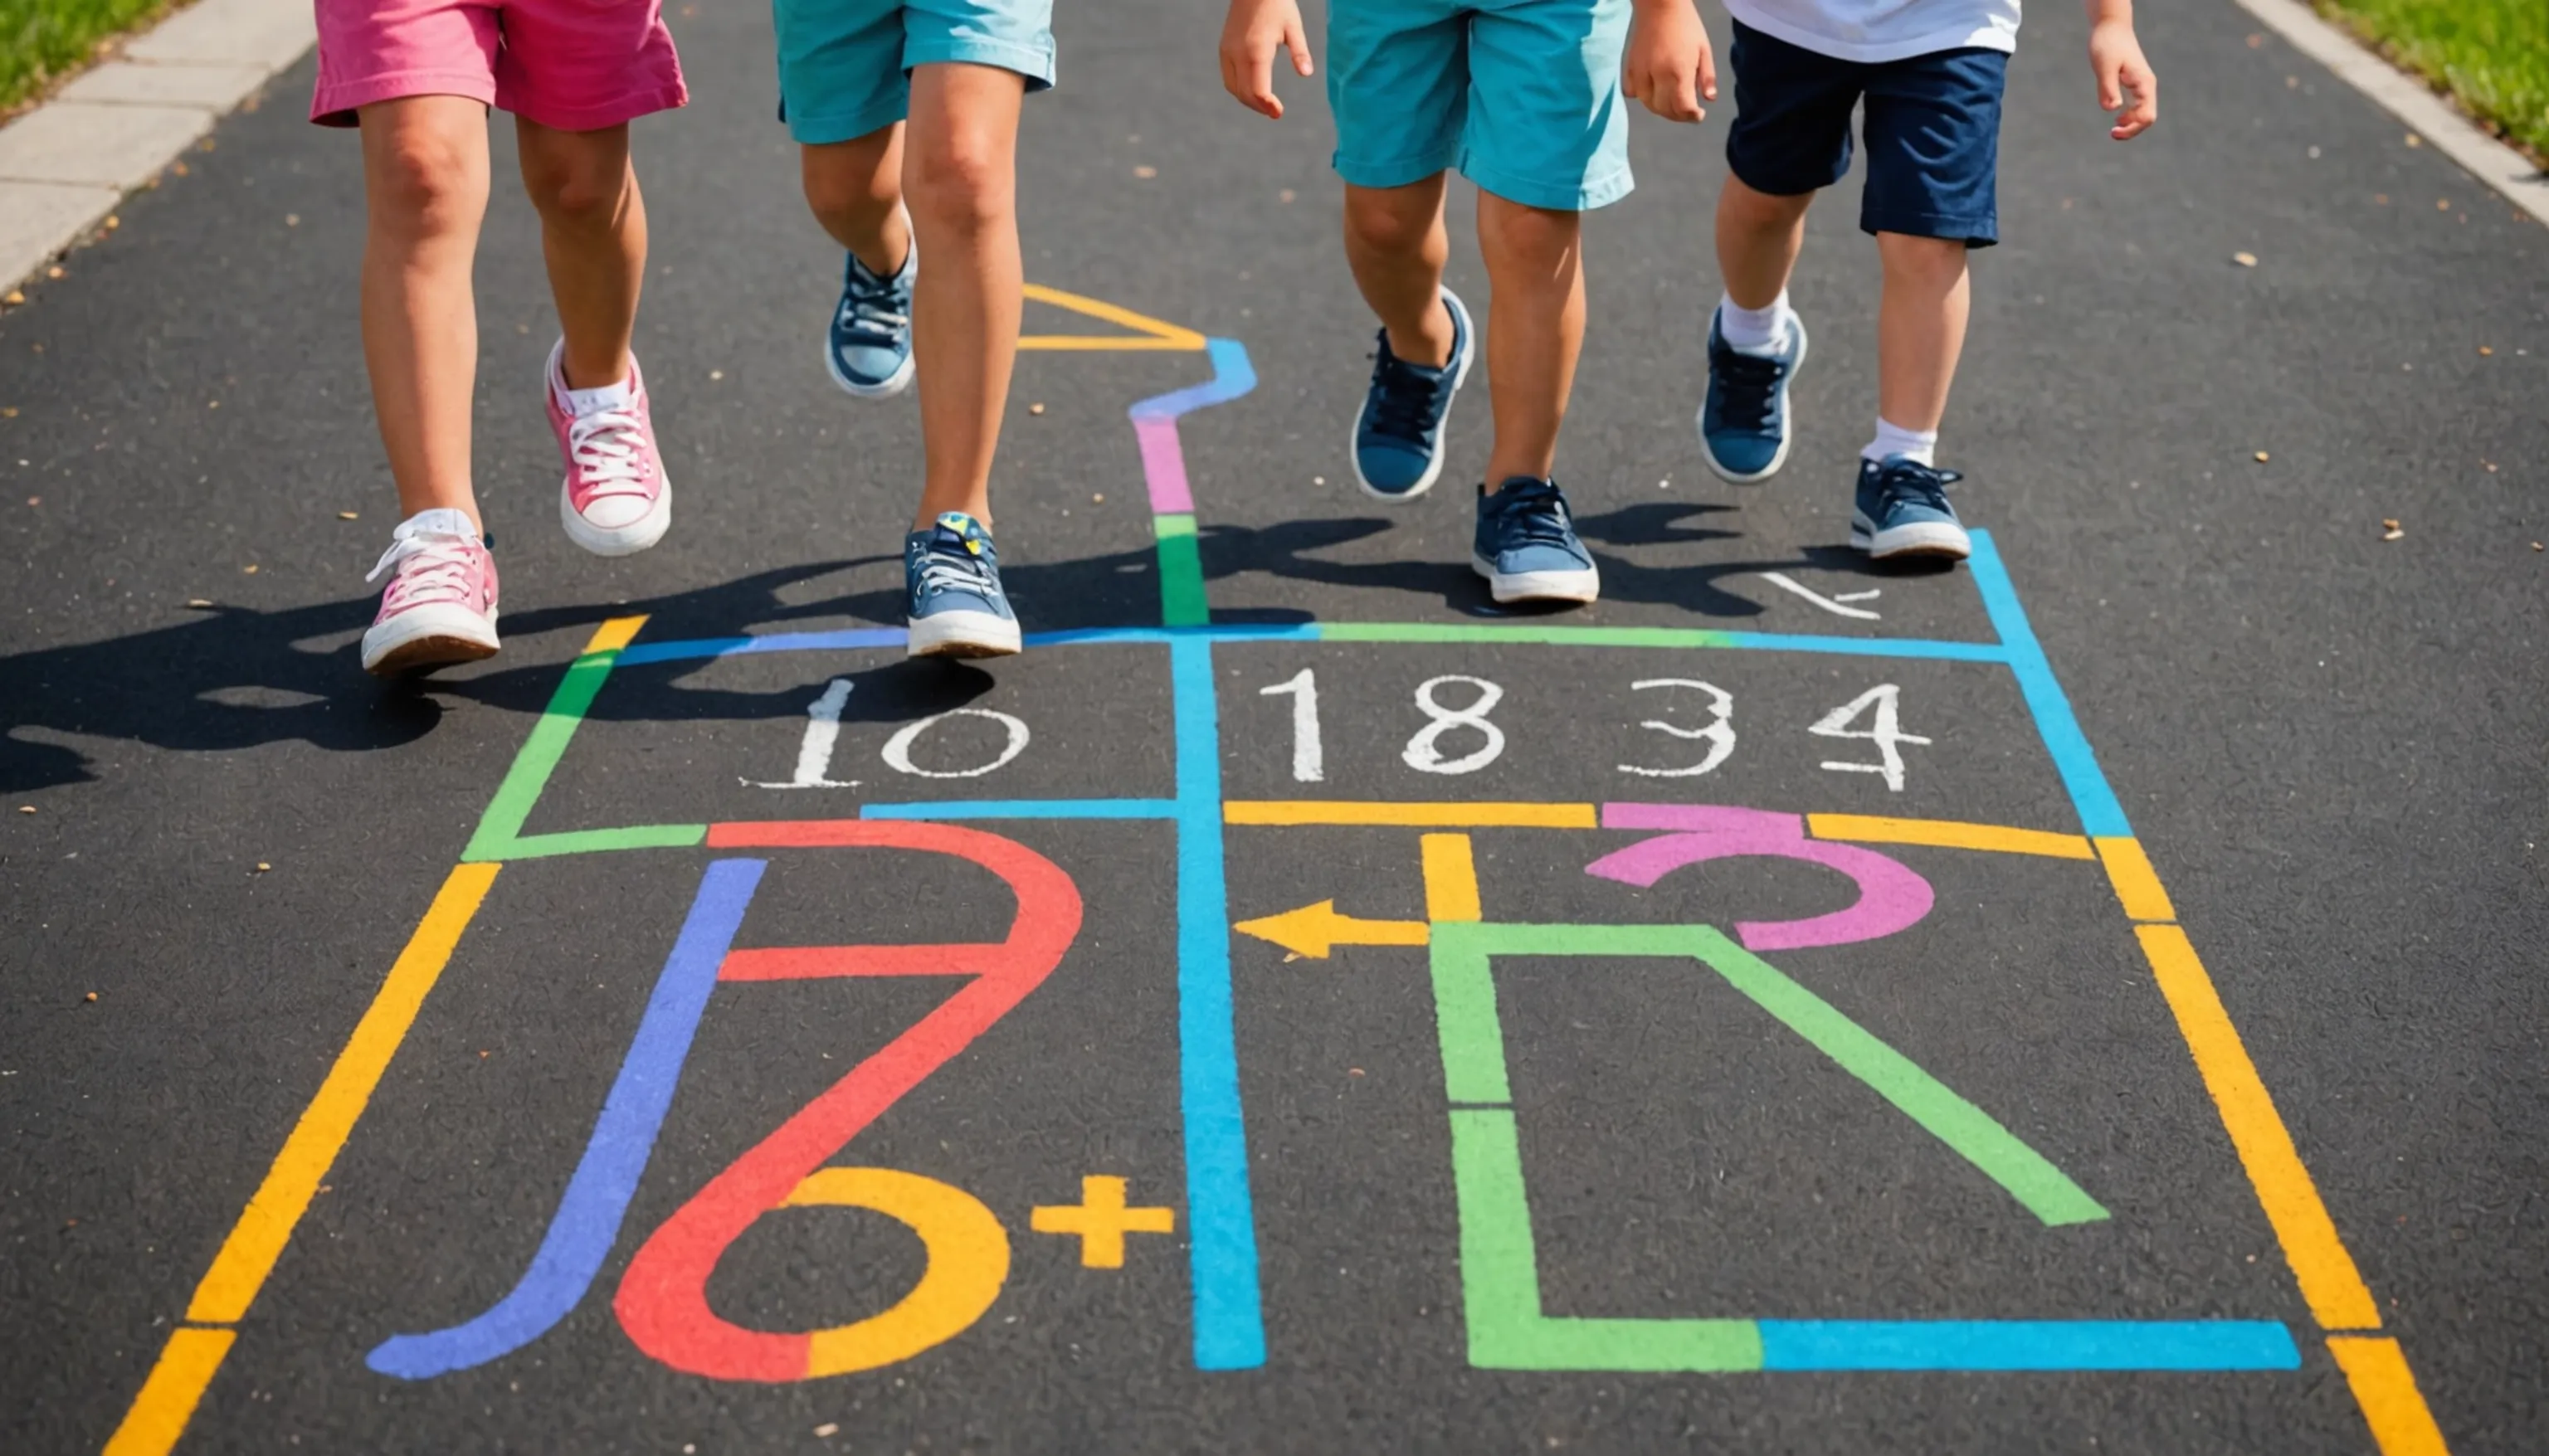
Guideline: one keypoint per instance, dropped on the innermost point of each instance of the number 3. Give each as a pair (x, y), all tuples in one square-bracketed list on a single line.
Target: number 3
[(1719, 733)]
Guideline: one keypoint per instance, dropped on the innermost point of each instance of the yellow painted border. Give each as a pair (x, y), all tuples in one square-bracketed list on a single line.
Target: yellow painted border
[(1949, 833), (1148, 334), (2138, 886), (1409, 815), (168, 1398), (2376, 1370), (1450, 878)]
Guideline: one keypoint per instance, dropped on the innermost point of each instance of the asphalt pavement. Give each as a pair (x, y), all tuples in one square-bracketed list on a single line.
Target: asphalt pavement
[(2087, 1000)]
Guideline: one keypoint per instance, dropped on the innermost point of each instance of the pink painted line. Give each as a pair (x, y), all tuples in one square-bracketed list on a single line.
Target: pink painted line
[(1164, 465), (1892, 896)]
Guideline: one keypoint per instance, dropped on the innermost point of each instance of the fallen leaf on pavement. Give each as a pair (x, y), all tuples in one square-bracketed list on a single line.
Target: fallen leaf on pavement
[(2245, 260), (198, 604), (2390, 529), (2261, 457), (350, 515)]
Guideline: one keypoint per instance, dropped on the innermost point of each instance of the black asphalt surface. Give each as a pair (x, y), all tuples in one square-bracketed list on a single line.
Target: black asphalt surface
[(2331, 743)]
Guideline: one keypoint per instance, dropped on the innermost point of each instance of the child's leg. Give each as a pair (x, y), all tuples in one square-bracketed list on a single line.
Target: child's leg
[(855, 189), (1535, 329), (960, 171), (424, 184), (1396, 245), (1758, 238), (593, 235), (1920, 328)]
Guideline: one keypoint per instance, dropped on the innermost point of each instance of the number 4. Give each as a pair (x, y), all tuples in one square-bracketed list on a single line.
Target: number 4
[(1887, 732)]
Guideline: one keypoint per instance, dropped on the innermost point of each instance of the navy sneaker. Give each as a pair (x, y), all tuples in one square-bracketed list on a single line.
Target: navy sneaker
[(868, 348), (1744, 425), (1398, 437), (951, 578), (1903, 512), (1526, 545)]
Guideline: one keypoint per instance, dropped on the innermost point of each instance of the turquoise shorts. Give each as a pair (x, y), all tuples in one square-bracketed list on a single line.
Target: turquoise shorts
[(846, 65), (1523, 96)]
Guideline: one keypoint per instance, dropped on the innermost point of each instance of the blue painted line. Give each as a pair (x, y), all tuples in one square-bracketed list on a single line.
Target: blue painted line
[(588, 1218), (1234, 632), (1221, 1216), (2100, 814), (1026, 809), (1917, 646), (698, 647), (1232, 377), (2026, 1344)]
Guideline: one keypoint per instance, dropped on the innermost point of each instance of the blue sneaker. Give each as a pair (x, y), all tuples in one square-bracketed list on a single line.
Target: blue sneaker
[(950, 578), (1744, 425), (1526, 545), (1398, 437), (1903, 512), (868, 348)]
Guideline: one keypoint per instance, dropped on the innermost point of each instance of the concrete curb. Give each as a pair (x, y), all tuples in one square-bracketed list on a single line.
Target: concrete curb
[(2455, 136), (66, 164)]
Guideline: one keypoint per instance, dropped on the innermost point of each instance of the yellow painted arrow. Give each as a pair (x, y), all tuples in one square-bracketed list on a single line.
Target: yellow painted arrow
[(1312, 929)]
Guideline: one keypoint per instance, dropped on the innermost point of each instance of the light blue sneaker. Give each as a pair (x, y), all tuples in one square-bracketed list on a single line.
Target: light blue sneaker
[(950, 580), (868, 347), (1744, 425), (1398, 435), (1903, 512), (1526, 545)]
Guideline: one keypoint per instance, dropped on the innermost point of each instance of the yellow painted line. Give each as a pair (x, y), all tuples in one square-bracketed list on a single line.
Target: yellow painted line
[(267, 1226), (167, 1401), (2137, 884), (1162, 335), (1450, 878), (1105, 343), (613, 634), (2392, 1404), (1409, 815), (1949, 834), (2329, 1282)]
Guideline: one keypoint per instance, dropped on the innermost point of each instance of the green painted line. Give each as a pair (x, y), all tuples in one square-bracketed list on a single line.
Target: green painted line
[(514, 799), (1181, 595), (1500, 1280), (1562, 636), (1465, 1015), (1971, 1132), (595, 841)]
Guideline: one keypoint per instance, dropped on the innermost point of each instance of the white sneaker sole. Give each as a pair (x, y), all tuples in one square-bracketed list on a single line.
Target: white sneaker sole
[(436, 634), (1442, 432), (626, 540), (1579, 587), (1788, 403), (962, 634), (1923, 538)]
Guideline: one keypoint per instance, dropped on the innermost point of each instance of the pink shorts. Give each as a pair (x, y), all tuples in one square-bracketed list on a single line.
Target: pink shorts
[(577, 65)]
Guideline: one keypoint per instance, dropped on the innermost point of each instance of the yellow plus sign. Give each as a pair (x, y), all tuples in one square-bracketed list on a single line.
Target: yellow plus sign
[(1101, 1221)]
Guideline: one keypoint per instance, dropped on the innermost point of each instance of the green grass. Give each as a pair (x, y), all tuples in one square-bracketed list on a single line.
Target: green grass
[(2493, 55), (41, 39)]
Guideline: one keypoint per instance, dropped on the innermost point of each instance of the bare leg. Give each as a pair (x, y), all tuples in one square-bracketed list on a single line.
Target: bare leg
[(1920, 328), (1758, 237), (1534, 328), (592, 233), (855, 189), (424, 186), (1396, 244), (960, 171)]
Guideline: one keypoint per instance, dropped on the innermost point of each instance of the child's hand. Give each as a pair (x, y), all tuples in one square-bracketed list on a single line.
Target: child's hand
[(1248, 41), (1668, 65), (2124, 76)]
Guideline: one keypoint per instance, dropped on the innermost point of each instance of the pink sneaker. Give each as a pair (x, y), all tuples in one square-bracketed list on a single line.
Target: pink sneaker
[(440, 604), (616, 500)]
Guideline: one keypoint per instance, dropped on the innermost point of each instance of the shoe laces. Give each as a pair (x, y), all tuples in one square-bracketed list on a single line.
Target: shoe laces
[(1909, 482), (1747, 384), (1532, 513), (956, 569), (609, 449), (430, 567), (1409, 396), (871, 307)]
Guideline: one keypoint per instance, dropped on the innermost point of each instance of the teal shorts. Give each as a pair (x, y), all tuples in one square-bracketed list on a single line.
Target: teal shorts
[(846, 65), (1522, 96)]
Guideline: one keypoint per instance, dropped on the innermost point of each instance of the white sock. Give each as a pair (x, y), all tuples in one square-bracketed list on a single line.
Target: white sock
[(1892, 439), (581, 403), (1755, 330), (443, 520)]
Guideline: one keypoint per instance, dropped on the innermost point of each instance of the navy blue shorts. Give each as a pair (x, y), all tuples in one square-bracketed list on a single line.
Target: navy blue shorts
[(1933, 132)]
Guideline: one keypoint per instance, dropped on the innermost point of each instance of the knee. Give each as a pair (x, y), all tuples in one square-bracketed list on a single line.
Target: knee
[(1927, 261), (424, 184), (962, 182), (1535, 238), (1378, 225), (847, 186), (1762, 210), (577, 190)]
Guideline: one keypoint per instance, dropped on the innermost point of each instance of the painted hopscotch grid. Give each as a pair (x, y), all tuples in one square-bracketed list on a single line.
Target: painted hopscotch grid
[(1499, 1276)]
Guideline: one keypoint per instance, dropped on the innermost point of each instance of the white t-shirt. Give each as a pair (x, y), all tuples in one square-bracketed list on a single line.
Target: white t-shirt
[(1883, 30)]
